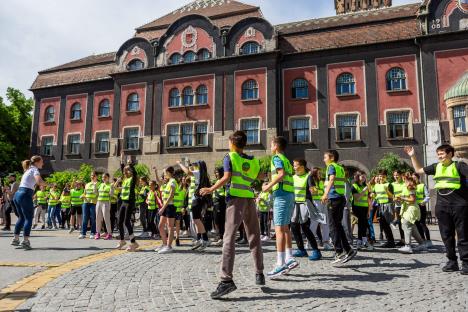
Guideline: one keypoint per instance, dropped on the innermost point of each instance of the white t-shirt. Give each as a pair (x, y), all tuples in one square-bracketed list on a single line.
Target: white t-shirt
[(28, 180)]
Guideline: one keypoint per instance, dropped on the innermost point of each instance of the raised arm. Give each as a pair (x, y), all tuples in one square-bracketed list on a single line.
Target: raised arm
[(158, 180), (184, 168), (418, 168)]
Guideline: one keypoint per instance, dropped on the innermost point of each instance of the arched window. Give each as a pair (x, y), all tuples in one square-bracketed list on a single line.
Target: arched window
[(190, 57), (202, 95), (49, 114), (188, 96), (250, 48), (345, 84), (104, 108), (75, 113), (250, 90), (204, 54), (133, 102), (135, 64), (176, 58), (396, 79), (300, 89), (174, 98)]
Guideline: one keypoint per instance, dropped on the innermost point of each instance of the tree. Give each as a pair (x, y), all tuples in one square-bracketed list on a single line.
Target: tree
[(391, 162), (15, 130)]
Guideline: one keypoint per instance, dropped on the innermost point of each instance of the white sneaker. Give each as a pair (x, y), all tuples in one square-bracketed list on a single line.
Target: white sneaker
[(406, 249), (266, 238), (157, 249), (165, 250), (197, 244), (91, 236), (204, 244), (369, 247), (327, 247), (81, 236), (184, 234)]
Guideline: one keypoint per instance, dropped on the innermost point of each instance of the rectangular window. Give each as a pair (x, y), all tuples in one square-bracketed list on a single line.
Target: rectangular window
[(251, 129), (300, 130), (347, 127), (173, 135), (459, 119), (201, 134), (131, 139), (398, 125), (102, 142), (187, 134), (47, 143), (74, 144)]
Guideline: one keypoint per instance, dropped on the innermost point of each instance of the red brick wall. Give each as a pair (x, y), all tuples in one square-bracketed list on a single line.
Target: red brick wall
[(451, 65), (183, 114), (300, 107), (204, 41), (347, 104), (133, 118), (75, 126), (398, 100), (102, 124), (247, 109), (46, 129)]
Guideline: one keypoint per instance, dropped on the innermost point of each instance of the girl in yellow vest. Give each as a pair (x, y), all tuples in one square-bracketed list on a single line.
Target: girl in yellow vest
[(167, 211), (422, 198), (89, 206), (76, 210), (153, 202), (105, 192), (65, 204), (143, 207), (360, 191), (41, 199), (53, 199)]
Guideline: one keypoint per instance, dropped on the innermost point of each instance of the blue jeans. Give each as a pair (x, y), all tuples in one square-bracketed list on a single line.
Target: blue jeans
[(25, 209), (371, 222), (57, 215), (89, 214), (53, 215)]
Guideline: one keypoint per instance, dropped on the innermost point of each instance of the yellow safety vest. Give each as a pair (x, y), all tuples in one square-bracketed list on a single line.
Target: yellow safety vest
[(288, 182), (41, 197), (65, 201), (179, 198), (264, 201), (320, 190), (191, 192), (104, 192), (447, 177), (90, 196), (362, 201), (167, 189), (54, 197), (126, 189), (243, 175), (76, 199), (300, 187), (152, 204), (381, 195), (340, 178), (115, 196), (420, 193)]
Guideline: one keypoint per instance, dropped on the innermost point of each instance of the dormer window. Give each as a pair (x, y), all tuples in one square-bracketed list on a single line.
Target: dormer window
[(176, 58), (190, 57), (135, 64), (251, 48)]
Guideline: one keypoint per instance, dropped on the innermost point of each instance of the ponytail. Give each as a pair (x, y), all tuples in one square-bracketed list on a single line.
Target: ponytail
[(26, 164)]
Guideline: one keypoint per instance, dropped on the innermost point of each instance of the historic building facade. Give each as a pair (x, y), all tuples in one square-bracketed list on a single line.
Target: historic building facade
[(366, 82)]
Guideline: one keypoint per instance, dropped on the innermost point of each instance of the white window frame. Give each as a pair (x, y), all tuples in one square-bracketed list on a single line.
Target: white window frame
[(358, 126), (193, 125), (51, 146), (290, 121), (241, 120), (69, 151), (96, 142), (124, 137), (410, 123)]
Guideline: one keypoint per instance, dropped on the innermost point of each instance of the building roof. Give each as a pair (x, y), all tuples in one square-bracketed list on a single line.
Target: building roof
[(86, 61), (460, 89)]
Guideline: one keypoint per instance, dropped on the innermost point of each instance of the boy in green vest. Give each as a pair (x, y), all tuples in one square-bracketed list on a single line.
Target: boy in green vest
[(264, 205), (76, 205), (240, 172), (282, 185), (451, 209), (398, 186), (384, 196), (334, 197)]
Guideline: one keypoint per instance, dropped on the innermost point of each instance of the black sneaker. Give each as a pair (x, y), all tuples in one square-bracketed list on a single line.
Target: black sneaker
[(223, 289), (400, 244), (239, 239), (451, 266), (464, 270), (242, 242), (388, 245), (6, 229), (259, 279), (350, 255), (177, 242)]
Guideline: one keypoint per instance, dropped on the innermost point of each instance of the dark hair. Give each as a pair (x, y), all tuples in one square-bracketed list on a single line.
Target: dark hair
[(316, 176), (170, 170), (144, 179), (302, 162), (281, 142), (334, 154), (238, 139), (447, 148), (94, 173), (398, 171), (416, 175), (106, 175), (383, 173), (220, 171)]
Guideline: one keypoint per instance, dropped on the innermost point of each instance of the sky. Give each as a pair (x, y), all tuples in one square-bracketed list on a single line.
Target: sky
[(39, 34)]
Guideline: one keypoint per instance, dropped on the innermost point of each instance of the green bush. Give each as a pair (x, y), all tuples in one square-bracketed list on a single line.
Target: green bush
[(141, 169), (391, 162)]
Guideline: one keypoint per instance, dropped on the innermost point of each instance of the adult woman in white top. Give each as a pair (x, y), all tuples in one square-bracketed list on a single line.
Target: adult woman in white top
[(24, 200)]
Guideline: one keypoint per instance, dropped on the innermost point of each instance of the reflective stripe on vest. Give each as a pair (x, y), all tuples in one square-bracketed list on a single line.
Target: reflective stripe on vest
[(300, 187), (104, 192), (320, 190), (167, 189), (447, 177), (420, 193), (54, 197), (90, 196), (191, 192), (363, 200), (115, 196), (76, 199), (65, 201), (398, 188), (125, 195), (152, 205), (179, 198), (381, 195), (41, 197), (288, 182), (340, 178), (264, 202), (244, 173)]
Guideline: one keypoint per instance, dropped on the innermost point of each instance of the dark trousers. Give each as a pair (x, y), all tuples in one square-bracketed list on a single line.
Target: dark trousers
[(186, 218), (208, 220), (144, 216), (125, 218), (264, 219), (454, 219), (151, 221), (65, 217), (361, 214), (385, 226), (296, 230), (220, 217), (10, 207), (335, 218), (421, 224), (113, 218)]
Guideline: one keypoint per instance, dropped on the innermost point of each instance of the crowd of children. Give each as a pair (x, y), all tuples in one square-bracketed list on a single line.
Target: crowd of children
[(290, 201)]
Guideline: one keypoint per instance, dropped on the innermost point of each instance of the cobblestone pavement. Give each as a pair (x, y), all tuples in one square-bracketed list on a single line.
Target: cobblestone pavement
[(383, 280)]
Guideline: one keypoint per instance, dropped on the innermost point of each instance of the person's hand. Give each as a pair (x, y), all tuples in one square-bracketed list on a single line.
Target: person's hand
[(205, 191), (265, 188), (409, 150), (324, 199), (178, 162), (161, 211), (155, 168)]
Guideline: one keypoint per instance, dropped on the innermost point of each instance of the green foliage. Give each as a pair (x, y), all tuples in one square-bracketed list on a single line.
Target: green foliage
[(391, 162), (84, 175), (15, 130), (141, 169), (265, 163), (61, 178)]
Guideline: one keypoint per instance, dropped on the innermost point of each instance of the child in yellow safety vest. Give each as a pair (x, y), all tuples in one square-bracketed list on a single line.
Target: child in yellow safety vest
[(41, 210), (65, 204), (153, 200), (264, 207), (53, 213), (422, 198), (103, 207)]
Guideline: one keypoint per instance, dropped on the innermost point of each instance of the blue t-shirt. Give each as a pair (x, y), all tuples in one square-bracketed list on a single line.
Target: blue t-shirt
[(227, 165), (332, 194)]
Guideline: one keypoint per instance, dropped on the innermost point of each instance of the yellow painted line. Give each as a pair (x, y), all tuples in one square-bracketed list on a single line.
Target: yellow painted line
[(14, 295)]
